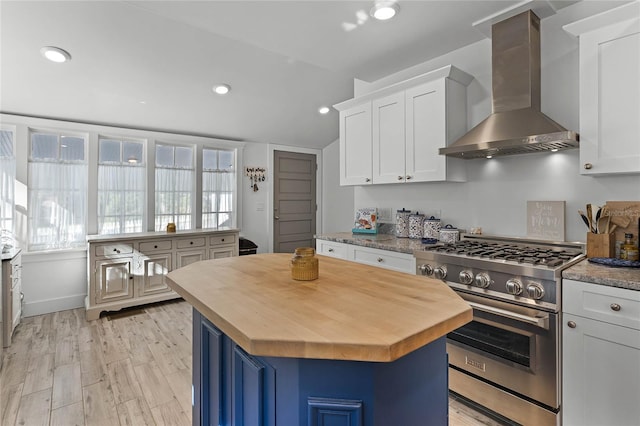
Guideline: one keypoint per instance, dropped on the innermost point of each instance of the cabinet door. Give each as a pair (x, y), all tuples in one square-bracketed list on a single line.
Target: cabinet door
[(222, 252), (601, 373), (355, 145), (154, 276), (114, 279), (388, 139), (426, 121), (187, 257), (610, 99)]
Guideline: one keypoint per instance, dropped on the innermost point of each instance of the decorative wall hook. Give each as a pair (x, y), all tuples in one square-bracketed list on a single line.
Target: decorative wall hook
[(255, 175)]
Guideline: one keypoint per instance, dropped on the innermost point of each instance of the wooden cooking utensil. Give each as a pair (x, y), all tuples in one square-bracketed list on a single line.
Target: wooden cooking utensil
[(590, 218)]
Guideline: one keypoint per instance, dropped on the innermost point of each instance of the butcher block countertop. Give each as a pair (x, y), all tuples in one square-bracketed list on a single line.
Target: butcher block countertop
[(351, 312)]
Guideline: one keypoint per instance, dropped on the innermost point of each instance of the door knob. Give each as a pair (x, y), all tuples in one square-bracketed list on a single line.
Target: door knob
[(277, 218), (588, 166)]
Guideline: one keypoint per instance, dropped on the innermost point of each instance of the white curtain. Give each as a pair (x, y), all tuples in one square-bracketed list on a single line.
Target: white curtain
[(218, 188), (121, 198), (57, 205), (174, 197), (7, 196)]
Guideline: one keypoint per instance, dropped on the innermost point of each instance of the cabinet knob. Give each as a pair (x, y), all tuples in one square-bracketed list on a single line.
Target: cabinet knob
[(223, 240), (367, 180), (330, 250), (409, 177), (191, 242), (400, 178), (118, 251), (588, 166), (130, 277), (572, 324), (380, 259), (615, 307), (155, 246)]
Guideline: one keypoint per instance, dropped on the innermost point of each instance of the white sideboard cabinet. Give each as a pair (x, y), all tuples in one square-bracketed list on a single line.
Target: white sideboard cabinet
[(392, 135), (130, 270), (600, 355), (609, 90)]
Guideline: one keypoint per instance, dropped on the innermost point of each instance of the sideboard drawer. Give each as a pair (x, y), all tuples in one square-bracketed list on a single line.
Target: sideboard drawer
[(191, 242), (223, 239), (114, 249), (151, 246)]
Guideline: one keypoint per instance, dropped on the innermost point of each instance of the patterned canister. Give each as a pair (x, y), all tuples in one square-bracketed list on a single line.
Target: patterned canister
[(402, 223), (449, 234), (431, 228), (416, 222)]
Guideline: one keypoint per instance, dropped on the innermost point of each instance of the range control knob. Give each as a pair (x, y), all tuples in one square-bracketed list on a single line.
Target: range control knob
[(482, 280), (535, 291), (514, 286), (440, 272), (466, 277), (426, 269)]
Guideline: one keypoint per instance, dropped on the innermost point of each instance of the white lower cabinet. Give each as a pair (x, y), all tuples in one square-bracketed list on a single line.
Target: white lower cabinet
[(387, 259), (600, 355), (127, 271)]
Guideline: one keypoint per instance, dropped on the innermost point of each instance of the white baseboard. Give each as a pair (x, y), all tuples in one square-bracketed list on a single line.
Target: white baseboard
[(41, 307)]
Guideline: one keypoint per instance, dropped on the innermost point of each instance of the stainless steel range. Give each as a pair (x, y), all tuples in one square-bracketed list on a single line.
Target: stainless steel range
[(508, 358)]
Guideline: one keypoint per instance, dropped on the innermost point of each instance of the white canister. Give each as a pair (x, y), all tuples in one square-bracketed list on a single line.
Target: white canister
[(431, 228), (416, 222), (449, 234), (402, 223)]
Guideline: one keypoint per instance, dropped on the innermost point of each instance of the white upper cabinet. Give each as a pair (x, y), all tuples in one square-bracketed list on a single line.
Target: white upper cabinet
[(355, 145), (609, 90), (392, 135)]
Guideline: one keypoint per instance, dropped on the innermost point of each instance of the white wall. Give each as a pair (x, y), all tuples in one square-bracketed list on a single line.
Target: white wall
[(495, 194), (337, 201)]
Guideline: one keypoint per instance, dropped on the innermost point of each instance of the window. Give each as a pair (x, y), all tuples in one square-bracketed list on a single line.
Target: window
[(121, 186), (175, 186), (57, 191), (218, 188), (7, 185)]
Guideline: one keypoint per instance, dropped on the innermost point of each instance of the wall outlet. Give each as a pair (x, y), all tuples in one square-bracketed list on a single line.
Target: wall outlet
[(384, 214)]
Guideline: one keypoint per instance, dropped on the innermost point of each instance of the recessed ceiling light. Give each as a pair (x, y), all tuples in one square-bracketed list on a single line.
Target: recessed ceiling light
[(221, 89), (384, 9), (324, 110), (489, 156), (55, 54), (554, 150)]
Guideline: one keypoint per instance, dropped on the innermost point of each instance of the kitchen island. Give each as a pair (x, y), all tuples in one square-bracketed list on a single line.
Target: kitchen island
[(358, 346)]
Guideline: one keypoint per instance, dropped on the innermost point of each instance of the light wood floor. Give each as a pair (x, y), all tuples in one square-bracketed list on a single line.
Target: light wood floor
[(129, 368)]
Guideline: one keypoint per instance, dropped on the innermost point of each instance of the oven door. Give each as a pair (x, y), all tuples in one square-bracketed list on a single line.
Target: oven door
[(509, 345)]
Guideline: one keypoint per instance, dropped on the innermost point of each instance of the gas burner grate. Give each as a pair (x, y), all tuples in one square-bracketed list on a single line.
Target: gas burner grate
[(543, 256)]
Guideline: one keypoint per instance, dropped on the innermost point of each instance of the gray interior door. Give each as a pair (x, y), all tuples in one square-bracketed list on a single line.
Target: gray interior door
[(294, 201)]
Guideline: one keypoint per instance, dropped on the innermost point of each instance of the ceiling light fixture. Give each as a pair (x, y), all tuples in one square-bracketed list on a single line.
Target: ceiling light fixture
[(323, 110), (221, 89), (554, 150), (489, 156), (384, 9), (55, 54)]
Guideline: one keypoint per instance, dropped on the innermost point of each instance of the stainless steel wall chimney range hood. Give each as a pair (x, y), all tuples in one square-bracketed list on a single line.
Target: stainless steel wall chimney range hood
[(516, 126)]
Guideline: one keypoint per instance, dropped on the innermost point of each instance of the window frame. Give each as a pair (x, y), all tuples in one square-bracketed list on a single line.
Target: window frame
[(7, 233), (144, 165), (60, 133)]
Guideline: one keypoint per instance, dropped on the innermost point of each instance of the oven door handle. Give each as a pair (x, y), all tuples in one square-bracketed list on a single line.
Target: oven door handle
[(542, 322)]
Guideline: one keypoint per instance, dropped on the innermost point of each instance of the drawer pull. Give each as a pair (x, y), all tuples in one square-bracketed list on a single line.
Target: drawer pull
[(571, 324), (615, 307), (330, 250), (191, 242), (223, 240), (155, 246), (380, 259)]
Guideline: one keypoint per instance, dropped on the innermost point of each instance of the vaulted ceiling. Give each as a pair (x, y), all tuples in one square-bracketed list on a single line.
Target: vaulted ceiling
[(152, 64)]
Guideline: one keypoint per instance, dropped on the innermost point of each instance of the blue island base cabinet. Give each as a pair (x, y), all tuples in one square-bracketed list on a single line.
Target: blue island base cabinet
[(232, 387)]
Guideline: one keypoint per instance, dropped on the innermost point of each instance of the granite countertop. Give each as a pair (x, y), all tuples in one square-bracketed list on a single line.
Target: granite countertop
[(11, 253), (379, 241), (586, 271)]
